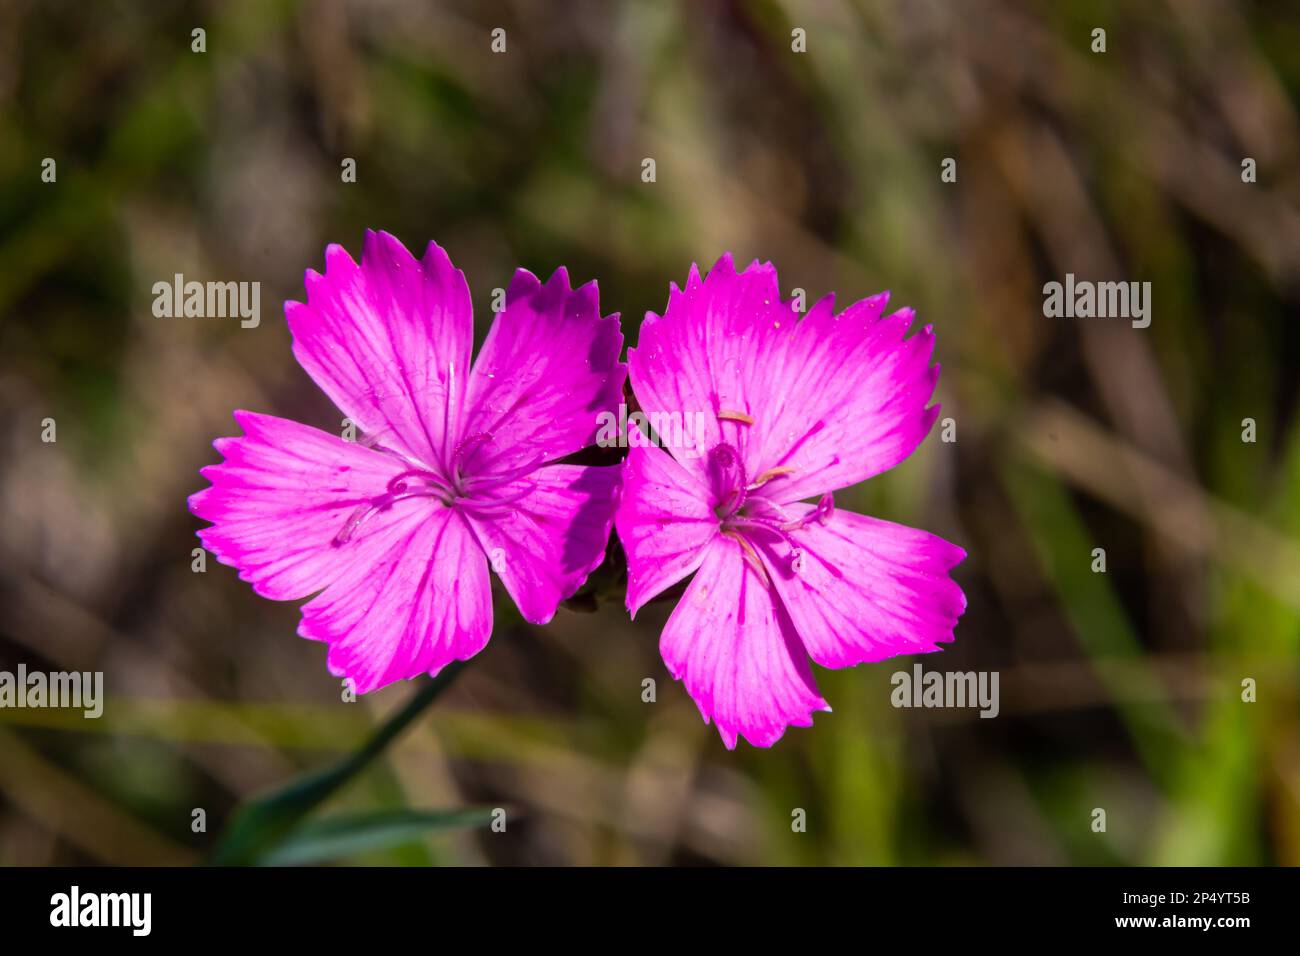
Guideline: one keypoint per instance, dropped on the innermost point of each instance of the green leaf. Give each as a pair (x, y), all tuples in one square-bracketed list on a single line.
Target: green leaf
[(333, 837), (258, 826)]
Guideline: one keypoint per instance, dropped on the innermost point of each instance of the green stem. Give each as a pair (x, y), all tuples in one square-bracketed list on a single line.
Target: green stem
[(260, 824)]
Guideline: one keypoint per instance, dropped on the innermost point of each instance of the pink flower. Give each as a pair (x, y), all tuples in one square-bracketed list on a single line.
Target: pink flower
[(796, 409), (456, 471)]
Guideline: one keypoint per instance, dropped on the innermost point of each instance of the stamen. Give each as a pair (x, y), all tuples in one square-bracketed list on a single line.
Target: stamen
[(398, 490), (821, 512), (359, 514), (735, 416), (765, 524), (481, 483), (497, 503), (771, 473), (777, 524), (751, 558), (397, 484)]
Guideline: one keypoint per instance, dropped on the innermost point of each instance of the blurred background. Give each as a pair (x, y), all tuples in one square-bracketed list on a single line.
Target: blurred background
[(1120, 691)]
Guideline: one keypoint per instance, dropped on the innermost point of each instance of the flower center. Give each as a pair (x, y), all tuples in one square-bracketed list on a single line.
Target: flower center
[(746, 513), (461, 486)]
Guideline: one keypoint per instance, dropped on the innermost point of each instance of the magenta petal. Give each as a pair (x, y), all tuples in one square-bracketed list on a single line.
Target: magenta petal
[(707, 352), (389, 342), (278, 500), (419, 600), (855, 395), (868, 589), (735, 650), (552, 537), (837, 398), (664, 522), (547, 370)]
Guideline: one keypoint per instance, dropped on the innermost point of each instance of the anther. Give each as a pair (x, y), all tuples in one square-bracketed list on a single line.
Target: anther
[(735, 416), (771, 473)]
